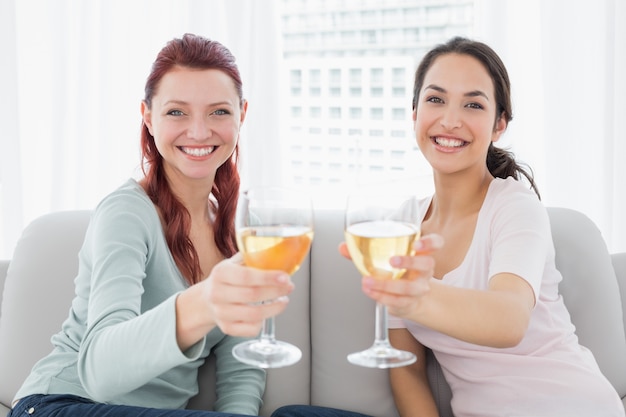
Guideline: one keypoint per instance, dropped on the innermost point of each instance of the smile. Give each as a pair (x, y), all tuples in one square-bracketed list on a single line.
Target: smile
[(198, 151), (449, 142)]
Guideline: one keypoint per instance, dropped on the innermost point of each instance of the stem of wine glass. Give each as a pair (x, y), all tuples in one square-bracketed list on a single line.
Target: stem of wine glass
[(381, 333), (268, 331)]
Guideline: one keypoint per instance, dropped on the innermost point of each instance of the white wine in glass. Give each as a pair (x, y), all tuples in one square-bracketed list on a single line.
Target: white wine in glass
[(380, 222), (274, 228)]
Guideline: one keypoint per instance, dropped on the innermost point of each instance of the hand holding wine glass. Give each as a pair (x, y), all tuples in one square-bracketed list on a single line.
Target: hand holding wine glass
[(380, 223), (274, 228)]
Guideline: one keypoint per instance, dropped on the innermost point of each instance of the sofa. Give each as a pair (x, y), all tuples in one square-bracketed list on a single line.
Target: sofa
[(327, 317)]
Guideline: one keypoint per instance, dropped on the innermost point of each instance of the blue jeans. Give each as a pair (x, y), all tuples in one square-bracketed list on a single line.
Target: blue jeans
[(313, 411), (73, 406)]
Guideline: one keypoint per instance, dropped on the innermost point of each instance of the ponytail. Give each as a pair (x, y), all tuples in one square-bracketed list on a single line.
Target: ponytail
[(502, 164)]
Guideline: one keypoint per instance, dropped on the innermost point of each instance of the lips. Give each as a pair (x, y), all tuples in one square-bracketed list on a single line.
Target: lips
[(197, 151)]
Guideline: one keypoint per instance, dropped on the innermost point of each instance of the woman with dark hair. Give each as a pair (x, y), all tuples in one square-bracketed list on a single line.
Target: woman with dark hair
[(482, 288), (158, 286)]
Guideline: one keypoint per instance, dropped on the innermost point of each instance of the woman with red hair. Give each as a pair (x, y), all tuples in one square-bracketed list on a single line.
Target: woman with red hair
[(158, 286)]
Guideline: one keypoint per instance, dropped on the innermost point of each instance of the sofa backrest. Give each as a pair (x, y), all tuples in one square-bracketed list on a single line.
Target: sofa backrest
[(590, 291)]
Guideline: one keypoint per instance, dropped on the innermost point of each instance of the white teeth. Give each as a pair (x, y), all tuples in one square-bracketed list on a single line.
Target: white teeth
[(198, 151), (449, 143)]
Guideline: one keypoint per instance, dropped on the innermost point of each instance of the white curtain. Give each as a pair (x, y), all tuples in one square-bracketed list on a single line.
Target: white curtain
[(567, 63), (71, 82)]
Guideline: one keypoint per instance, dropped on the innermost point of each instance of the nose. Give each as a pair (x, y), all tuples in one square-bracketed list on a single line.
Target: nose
[(450, 119), (199, 128)]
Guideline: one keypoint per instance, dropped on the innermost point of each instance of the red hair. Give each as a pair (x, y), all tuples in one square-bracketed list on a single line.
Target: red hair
[(191, 51)]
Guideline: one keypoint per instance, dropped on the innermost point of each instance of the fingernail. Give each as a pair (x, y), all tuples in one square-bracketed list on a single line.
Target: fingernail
[(418, 245), (283, 278), (395, 261), (437, 241), (368, 282)]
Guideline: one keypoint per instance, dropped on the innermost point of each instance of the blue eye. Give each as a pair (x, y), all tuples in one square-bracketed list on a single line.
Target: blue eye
[(221, 112), (175, 113)]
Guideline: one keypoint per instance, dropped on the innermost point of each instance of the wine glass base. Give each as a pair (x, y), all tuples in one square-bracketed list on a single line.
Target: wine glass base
[(267, 354), (382, 357)]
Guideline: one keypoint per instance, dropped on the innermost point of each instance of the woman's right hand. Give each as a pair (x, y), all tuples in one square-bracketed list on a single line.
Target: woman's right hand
[(233, 297)]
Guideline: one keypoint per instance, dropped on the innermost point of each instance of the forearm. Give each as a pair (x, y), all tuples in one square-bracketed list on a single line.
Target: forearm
[(409, 384), (122, 354), (495, 318), (192, 317), (412, 394)]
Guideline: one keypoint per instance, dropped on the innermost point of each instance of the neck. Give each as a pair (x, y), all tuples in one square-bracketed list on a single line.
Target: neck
[(193, 194), (458, 195)]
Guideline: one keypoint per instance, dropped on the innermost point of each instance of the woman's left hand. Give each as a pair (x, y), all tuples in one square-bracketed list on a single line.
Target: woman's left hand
[(402, 296)]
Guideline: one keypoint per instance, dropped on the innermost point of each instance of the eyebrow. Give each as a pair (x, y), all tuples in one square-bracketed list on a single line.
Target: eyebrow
[(474, 93), (182, 103)]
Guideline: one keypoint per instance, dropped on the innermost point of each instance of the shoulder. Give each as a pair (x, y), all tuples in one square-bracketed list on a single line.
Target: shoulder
[(126, 207), (510, 201), (512, 193), (129, 197)]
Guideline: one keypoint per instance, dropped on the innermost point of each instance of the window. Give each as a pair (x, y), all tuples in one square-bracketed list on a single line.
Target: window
[(399, 114), (315, 77), (398, 76), (351, 68), (376, 91), (376, 113), (296, 112), (356, 112), (316, 112), (355, 91), (335, 112), (296, 78), (355, 76), (376, 76)]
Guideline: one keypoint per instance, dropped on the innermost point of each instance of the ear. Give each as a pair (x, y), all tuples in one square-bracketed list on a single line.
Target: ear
[(244, 110), (146, 114), (499, 128)]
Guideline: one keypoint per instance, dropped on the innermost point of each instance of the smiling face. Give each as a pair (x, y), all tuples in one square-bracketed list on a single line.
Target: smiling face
[(455, 117), (195, 119)]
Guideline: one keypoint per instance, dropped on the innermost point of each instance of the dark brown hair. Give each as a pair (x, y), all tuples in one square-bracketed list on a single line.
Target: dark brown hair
[(191, 51), (500, 162)]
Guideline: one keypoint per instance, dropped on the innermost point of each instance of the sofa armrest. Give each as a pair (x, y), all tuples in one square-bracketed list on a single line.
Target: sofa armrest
[(619, 264)]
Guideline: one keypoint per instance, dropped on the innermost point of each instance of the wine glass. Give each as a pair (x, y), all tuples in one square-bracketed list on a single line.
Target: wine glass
[(380, 222), (274, 228)]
